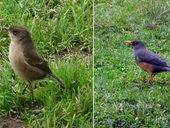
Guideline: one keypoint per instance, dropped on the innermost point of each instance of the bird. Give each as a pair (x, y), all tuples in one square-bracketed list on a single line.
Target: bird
[(147, 60), (26, 62)]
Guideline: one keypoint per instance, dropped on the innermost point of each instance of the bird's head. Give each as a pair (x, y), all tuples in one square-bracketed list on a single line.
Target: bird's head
[(137, 44), (18, 33)]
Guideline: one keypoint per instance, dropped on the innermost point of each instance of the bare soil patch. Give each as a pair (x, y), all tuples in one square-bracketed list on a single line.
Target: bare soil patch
[(12, 123)]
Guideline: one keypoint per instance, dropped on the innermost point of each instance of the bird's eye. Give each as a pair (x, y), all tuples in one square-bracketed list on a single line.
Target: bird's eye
[(15, 32)]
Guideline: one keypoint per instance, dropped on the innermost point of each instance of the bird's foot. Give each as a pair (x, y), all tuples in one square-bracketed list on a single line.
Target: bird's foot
[(150, 82), (150, 79)]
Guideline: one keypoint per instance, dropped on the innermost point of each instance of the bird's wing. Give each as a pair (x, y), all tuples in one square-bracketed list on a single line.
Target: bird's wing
[(150, 57), (34, 59)]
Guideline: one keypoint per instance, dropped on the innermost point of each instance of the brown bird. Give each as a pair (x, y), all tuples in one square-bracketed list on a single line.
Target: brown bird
[(147, 60), (25, 60)]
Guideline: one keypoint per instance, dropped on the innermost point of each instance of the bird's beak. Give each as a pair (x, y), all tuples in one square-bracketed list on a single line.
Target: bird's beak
[(129, 42), (5, 28)]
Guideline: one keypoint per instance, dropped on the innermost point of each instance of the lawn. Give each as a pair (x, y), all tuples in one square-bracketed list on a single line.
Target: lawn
[(122, 98), (62, 33)]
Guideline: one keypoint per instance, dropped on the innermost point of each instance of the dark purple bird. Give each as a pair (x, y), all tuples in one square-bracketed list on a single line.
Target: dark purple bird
[(147, 60)]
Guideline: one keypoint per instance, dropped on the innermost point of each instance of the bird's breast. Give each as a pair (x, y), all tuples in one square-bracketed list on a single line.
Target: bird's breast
[(145, 66), (16, 58), (14, 53)]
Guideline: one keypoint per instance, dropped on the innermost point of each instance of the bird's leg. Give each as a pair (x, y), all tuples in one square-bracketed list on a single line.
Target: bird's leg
[(23, 92), (31, 90), (151, 77)]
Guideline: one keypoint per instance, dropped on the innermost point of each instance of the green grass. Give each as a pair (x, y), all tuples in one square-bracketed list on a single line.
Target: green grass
[(122, 99), (62, 33)]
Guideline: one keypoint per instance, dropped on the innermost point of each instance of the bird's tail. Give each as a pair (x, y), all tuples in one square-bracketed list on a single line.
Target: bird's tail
[(58, 80), (168, 68)]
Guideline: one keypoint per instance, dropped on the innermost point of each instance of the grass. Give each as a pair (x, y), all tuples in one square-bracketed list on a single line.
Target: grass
[(62, 32), (122, 98)]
